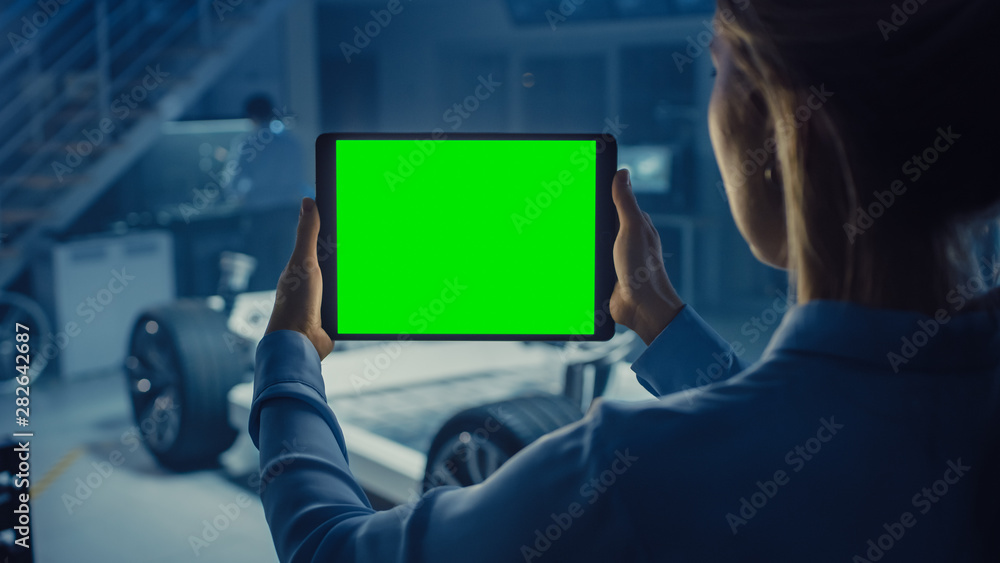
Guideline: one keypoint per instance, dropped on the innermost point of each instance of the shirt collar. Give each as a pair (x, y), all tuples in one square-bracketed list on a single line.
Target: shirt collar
[(902, 341)]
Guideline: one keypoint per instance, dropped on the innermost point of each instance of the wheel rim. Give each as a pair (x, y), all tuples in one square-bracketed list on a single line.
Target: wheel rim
[(16, 308), (465, 461), (152, 372), (163, 410)]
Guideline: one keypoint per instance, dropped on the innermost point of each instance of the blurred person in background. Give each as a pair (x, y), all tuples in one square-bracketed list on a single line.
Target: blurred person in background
[(868, 429), (266, 179)]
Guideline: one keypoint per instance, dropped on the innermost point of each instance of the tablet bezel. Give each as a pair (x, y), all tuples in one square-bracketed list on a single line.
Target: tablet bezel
[(606, 231)]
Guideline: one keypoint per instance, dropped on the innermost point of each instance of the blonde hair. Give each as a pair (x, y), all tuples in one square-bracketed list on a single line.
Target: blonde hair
[(895, 88)]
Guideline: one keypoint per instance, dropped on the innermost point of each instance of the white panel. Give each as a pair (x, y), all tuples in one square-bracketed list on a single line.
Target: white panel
[(100, 287)]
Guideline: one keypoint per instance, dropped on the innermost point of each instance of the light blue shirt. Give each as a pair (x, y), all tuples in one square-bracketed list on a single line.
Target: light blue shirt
[(860, 435)]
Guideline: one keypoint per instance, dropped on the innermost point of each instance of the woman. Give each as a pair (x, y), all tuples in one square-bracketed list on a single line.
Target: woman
[(869, 426)]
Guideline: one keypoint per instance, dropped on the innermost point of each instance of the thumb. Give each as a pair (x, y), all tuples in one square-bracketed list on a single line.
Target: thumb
[(306, 234), (300, 289), (625, 203)]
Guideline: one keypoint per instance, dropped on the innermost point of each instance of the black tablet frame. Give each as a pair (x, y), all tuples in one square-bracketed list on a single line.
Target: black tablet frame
[(606, 231)]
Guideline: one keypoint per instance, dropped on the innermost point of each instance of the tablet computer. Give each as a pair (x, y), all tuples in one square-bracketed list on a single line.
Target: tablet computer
[(466, 236)]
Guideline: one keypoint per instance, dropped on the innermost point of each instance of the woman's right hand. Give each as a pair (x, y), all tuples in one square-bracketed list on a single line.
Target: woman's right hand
[(643, 300)]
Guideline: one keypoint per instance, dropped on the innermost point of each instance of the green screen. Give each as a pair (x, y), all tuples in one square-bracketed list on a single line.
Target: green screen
[(460, 236)]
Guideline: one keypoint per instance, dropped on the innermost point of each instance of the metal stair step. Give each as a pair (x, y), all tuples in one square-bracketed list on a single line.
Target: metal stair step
[(20, 216), (43, 181), (30, 189)]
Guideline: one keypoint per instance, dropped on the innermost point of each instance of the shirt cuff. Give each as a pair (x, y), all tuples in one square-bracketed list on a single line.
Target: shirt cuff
[(287, 365), (688, 353)]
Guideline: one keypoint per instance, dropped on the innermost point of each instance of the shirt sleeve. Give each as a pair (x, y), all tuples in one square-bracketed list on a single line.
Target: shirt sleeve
[(687, 354), (547, 502)]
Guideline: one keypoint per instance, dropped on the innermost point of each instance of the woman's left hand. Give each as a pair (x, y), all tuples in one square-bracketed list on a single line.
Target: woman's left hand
[(300, 288)]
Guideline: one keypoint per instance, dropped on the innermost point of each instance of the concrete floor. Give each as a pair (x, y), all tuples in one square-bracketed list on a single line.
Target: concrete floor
[(140, 512)]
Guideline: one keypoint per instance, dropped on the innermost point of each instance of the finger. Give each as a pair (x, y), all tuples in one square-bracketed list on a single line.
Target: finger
[(625, 203), (647, 218), (307, 234)]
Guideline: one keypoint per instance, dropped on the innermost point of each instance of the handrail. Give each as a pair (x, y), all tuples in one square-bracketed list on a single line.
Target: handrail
[(116, 53), (7, 148), (60, 65), (13, 11), (15, 141), (65, 12), (158, 46)]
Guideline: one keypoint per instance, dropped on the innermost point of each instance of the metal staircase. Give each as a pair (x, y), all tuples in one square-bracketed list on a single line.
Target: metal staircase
[(85, 86)]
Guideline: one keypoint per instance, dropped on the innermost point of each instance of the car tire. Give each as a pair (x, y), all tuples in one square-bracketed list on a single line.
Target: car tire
[(17, 309), (182, 363), (475, 442)]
